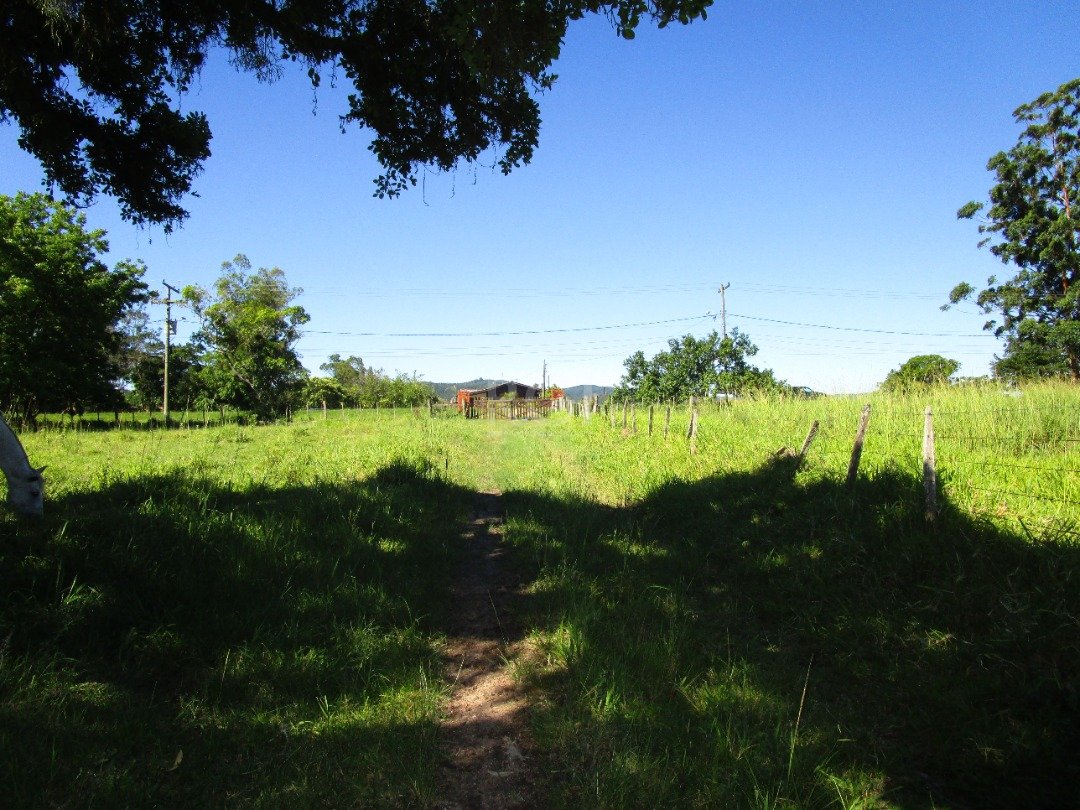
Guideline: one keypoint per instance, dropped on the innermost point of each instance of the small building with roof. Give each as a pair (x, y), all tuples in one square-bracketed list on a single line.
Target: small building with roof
[(523, 401)]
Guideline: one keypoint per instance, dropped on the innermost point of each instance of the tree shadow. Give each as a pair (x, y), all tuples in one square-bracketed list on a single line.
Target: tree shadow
[(171, 640), (754, 639), (284, 639)]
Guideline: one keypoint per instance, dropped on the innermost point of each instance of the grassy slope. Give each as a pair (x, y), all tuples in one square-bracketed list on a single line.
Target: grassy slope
[(267, 601)]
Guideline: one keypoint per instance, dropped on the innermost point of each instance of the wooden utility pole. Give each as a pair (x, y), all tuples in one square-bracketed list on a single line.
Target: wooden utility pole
[(723, 308), (170, 330)]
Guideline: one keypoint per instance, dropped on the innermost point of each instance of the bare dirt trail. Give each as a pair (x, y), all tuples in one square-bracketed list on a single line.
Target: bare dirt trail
[(489, 760)]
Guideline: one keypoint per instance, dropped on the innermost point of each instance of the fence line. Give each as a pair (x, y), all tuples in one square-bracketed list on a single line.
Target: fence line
[(943, 469), (1030, 495), (1003, 465)]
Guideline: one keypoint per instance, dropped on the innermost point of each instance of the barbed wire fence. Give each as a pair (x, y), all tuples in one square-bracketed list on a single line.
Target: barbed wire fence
[(1010, 463)]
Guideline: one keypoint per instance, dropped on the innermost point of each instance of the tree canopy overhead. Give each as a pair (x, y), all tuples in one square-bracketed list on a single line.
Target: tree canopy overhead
[(96, 87), (1033, 223)]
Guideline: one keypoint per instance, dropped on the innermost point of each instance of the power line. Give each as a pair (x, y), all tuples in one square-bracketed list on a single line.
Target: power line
[(759, 318), (857, 328), (501, 334), (643, 289), (845, 292)]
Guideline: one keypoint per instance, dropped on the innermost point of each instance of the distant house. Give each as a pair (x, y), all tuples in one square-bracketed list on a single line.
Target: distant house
[(503, 390), (469, 400)]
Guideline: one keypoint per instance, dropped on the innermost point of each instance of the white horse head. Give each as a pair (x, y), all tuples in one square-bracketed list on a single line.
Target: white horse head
[(26, 487), (26, 492)]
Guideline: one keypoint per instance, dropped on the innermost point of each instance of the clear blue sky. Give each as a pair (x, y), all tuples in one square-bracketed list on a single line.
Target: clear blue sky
[(811, 155)]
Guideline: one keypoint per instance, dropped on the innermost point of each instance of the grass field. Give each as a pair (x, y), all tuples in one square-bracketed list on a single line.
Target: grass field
[(253, 615)]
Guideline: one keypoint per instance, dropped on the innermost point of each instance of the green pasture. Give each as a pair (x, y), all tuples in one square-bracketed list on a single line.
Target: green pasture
[(253, 615)]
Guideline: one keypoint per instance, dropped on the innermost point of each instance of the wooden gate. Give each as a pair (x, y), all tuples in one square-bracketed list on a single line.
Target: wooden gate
[(479, 408)]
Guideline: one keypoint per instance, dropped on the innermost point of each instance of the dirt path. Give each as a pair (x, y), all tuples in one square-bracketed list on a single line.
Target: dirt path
[(489, 760)]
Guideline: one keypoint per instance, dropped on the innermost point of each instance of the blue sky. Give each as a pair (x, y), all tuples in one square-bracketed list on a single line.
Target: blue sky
[(811, 155)]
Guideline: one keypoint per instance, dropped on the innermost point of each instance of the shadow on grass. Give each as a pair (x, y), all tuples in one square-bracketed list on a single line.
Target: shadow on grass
[(172, 641), (939, 664)]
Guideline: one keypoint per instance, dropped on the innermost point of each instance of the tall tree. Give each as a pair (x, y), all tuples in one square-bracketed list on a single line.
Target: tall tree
[(1026, 358), (349, 373), (139, 345), (249, 331), (97, 88), (61, 308), (694, 367), (1033, 223)]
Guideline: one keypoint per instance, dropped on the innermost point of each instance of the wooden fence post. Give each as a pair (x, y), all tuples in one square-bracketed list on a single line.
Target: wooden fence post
[(611, 413), (856, 450), (809, 440), (929, 465), (667, 421), (651, 408), (693, 430), (624, 414), (633, 418)]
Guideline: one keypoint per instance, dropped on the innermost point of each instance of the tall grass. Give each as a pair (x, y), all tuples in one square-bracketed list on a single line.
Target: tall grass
[(1008, 455), (723, 629)]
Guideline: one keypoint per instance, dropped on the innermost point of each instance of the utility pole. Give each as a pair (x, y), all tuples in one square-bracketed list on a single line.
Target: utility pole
[(723, 308), (543, 381), (170, 330)]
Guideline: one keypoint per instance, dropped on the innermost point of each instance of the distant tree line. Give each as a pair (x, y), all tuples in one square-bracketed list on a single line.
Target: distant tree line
[(351, 383), (75, 334)]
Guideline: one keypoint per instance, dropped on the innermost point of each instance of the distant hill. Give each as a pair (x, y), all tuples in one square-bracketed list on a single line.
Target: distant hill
[(579, 391), (448, 391)]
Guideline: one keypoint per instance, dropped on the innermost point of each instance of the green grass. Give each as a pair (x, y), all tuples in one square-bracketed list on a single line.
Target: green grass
[(714, 630), (264, 601), (683, 603)]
